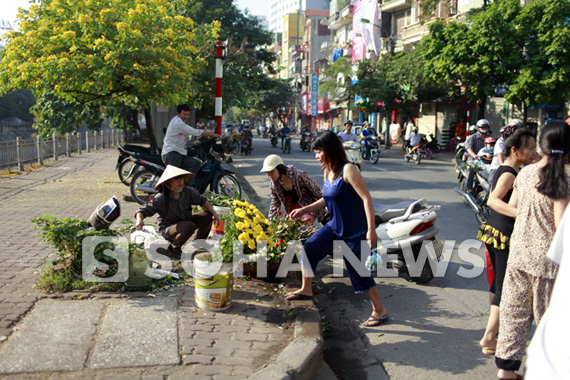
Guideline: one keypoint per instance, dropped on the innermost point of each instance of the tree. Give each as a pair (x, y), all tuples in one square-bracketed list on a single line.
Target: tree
[(340, 84), (275, 94), (54, 114), (544, 75), (132, 51), (247, 58), (479, 57), (17, 104)]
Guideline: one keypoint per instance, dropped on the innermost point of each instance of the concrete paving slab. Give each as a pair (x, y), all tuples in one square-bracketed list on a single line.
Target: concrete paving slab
[(139, 332), (55, 336)]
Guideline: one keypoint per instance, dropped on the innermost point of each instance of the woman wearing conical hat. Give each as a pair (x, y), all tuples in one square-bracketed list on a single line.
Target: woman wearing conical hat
[(173, 203)]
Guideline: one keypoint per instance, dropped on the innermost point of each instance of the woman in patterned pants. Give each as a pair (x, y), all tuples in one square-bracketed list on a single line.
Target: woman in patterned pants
[(540, 194)]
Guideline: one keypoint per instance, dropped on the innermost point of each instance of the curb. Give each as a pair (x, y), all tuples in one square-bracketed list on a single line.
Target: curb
[(302, 358)]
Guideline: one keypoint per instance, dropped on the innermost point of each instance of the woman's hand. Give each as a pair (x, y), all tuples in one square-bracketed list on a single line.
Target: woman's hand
[(294, 214), (372, 238)]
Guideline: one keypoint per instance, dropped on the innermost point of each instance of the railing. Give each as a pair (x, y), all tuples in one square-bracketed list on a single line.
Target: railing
[(17, 154)]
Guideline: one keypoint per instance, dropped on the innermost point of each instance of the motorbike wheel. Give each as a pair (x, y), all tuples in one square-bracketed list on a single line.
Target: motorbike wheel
[(437, 148), (143, 178), (227, 185), (288, 148), (419, 158), (426, 274), (459, 160), (374, 156), (483, 215), (407, 158), (126, 171)]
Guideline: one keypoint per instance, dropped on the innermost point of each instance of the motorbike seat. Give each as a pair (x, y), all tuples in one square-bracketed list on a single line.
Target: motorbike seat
[(151, 158), (386, 212)]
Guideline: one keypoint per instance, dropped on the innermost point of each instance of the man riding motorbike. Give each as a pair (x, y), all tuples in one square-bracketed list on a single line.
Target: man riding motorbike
[(348, 135), (475, 143)]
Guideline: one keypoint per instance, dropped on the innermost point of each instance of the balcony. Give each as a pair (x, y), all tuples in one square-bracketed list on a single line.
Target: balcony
[(396, 5), (326, 47), (340, 19)]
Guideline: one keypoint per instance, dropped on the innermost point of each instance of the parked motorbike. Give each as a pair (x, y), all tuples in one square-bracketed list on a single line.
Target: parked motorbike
[(370, 150), (125, 167), (352, 150), (477, 199), (404, 225), (286, 144), (306, 140), (273, 140), (220, 179)]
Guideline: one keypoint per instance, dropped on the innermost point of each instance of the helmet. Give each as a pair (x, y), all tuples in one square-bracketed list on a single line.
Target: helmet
[(490, 140), (518, 123), (348, 121), (507, 130), (483, 123), (217, 150), (271, 162), (472, 129), (415, 129)]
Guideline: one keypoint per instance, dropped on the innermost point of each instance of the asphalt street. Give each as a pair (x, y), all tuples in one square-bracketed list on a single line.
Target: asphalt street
[(436, 327)]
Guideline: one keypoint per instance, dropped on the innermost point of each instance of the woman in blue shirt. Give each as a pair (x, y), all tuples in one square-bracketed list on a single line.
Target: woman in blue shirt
[(351, 219)]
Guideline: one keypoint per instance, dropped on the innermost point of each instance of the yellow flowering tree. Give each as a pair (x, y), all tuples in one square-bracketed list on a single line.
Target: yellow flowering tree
[(132, 51)]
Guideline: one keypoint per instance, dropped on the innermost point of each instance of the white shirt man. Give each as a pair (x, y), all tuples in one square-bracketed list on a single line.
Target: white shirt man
[(347, 135), (173, 148)]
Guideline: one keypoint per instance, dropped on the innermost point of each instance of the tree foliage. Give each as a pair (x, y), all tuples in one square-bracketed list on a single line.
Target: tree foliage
[(17, 104), (544, 74), (136, 51), (480, 54), (247, 58), (275, 93)]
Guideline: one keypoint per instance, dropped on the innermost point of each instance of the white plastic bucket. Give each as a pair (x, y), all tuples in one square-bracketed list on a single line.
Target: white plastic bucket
[(213, 289)]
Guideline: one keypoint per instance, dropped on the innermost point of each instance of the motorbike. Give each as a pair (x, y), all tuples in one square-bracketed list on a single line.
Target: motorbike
[(306, 139), (273, 140), (220, 179), (405, 145), (415, 154), (370, 150), (125, 167), (433, 144), (407, 225), (460, 155), (286, 144), (352, 150), (477, 199)]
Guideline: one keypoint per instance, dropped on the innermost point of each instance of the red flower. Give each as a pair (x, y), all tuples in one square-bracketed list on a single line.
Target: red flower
[(280, 241), (278, 212)]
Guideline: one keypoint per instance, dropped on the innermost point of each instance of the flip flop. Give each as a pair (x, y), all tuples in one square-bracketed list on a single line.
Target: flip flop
[(488, 350), (372, 322), (519, 377), (298, 297)]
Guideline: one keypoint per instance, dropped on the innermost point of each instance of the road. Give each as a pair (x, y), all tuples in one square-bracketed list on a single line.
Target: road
[(435, 328)]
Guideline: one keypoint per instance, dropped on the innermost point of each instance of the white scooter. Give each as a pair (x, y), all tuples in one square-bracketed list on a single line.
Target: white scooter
[(352, 150), (407, 225)]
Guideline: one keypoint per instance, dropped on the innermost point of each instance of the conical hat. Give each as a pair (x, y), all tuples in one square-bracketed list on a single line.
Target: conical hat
[(170, 172)]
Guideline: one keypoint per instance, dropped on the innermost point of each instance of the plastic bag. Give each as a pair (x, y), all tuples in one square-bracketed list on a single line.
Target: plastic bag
[(146, 236)]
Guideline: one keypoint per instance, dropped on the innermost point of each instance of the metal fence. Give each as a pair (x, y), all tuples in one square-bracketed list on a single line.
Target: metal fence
[(17, 154)]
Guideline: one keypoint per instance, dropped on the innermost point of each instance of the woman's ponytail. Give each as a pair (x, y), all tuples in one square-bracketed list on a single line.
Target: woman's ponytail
[(554, 142)]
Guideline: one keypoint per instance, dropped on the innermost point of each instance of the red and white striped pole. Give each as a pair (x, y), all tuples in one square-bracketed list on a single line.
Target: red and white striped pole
[(219, 76)]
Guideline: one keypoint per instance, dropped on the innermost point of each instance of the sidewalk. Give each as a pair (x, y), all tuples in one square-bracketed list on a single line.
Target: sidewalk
[(129, 335)]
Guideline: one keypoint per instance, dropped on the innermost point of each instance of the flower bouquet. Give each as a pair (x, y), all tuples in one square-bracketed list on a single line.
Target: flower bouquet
[(260, 239)]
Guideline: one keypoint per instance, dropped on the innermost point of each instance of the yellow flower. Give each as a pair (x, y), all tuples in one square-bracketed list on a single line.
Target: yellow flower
[(239, 213), (240, 225), (270, 231), (244, 237), (251, 244)]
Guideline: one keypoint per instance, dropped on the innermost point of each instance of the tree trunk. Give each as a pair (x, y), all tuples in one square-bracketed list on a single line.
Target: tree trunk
[(481, 108), (525, 114), (150, 129), (125, 129)]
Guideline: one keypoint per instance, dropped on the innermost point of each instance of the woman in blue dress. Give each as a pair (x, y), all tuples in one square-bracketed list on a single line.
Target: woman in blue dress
[(351, 219)]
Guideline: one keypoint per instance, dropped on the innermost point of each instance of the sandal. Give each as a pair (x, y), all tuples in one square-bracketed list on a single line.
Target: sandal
[(372, 322), (488, 350), (298, 297)]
